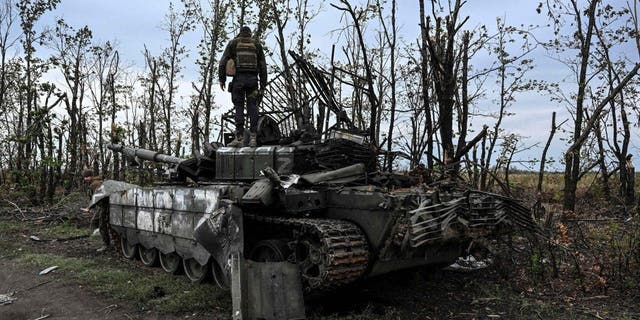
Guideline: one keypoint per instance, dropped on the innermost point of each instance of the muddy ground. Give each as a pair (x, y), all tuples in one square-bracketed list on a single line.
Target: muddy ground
[(38, 296), (90, 285)]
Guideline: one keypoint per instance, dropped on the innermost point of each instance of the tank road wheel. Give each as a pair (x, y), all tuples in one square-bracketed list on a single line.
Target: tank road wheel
[(195, 271), (149, 257), (329, 253), (270, 251), (218, 276), (129, 251), (309, 258), (170, 262)]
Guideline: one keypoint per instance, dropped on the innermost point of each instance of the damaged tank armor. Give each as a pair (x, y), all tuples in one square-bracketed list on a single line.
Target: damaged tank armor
[(319, 205)]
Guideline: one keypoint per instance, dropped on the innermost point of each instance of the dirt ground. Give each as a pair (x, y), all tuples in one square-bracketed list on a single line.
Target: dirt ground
[(38, 296), (76, 291)]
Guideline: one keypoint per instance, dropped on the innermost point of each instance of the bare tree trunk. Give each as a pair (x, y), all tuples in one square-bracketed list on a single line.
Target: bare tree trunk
[(59, 157), (115, 132), (243, 12), (391, 39), (507, 168), (195, 134), (630, 172), (51, 183), (177, 24), (216, 28), (572, 159), (602, 161), (142, 137), (619, 151), (574, 149), (463, 116), (424, 69), (373, 100), (543, 158), (152, 103), (442, 48), (281, 19)]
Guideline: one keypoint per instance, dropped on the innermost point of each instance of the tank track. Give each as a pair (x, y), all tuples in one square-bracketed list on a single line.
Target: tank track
[(343, 247)]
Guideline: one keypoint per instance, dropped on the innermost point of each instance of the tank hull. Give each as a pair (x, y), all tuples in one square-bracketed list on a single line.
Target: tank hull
[(355, 232), (164, 218)]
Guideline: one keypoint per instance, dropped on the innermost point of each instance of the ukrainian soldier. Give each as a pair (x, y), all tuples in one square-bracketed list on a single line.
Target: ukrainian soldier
[(250, 66)]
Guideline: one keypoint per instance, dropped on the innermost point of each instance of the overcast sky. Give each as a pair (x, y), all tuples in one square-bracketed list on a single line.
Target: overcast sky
[(136, 23)]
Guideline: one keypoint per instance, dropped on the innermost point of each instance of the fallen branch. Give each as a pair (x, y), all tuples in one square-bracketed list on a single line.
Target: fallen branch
[(594, 298), (72, 238), (35, 286), (37, 239), (594, 220), (16, 206), (485, 300), (109, 308), (462, 151)]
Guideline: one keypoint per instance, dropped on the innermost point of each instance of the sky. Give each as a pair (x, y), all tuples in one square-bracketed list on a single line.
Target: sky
[(134, 24)]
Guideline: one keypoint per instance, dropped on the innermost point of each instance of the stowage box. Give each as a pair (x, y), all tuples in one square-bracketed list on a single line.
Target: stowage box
[(247, 163)]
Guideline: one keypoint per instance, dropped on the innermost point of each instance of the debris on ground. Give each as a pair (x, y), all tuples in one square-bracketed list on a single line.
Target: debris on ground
[(469, 263), (47, 270), (38, 239), (7, 299), (108, 309), (34, 286)]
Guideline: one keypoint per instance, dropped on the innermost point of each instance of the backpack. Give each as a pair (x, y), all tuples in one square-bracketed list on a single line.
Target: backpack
[(246, 55)]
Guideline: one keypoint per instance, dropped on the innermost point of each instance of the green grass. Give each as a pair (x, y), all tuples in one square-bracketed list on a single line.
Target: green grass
[(64, 230), (10, 226), (9, 248), (112, 278), (124, 282)]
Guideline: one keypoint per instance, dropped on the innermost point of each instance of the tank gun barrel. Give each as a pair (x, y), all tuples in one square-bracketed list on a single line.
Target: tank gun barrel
[(145, 154)]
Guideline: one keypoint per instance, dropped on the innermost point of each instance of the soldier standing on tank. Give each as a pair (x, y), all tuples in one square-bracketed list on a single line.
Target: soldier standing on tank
[(102, 208), (248, 57)]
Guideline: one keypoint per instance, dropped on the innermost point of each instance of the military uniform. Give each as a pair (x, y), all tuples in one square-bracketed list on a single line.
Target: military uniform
[(250, 67)]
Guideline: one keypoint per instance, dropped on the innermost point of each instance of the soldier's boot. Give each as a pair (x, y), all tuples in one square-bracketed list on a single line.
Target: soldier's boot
[(253, 140), (238, 142)]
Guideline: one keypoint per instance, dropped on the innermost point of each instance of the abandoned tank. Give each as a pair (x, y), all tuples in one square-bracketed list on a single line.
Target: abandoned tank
[(316, 201)]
